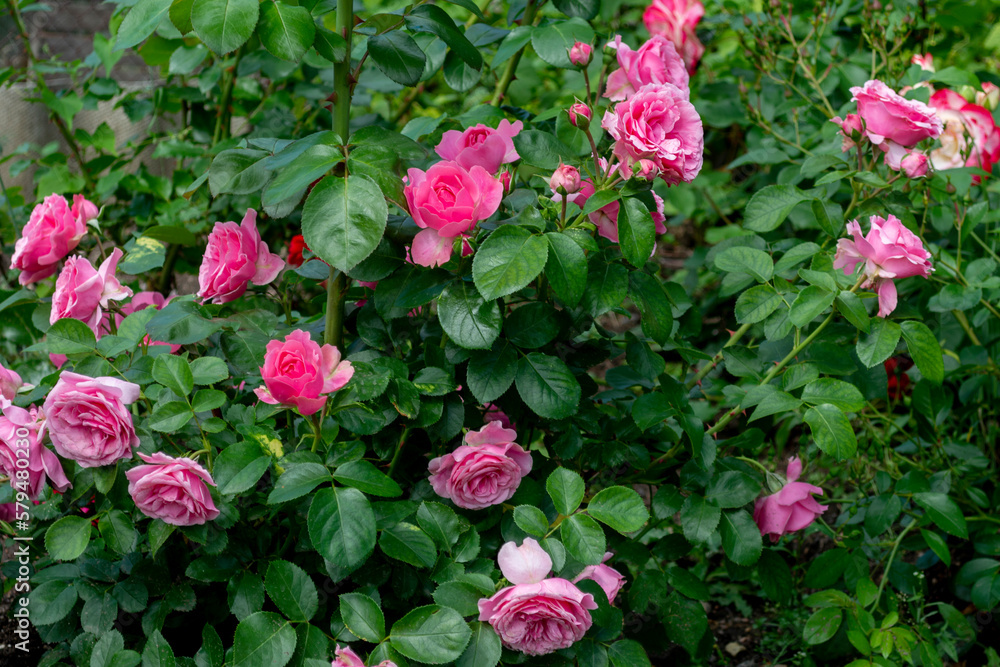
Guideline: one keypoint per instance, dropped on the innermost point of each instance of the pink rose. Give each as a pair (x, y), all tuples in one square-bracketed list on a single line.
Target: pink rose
[(22, 431), (88, 421), (483, 472), (83, 293), (235, 257), (606, 577), (656, 61), (53, 231), (10, 382), (606, 217), (565, 179), (495, 414), (889, 251), (299, 373), (536, 615), (791, 509), (8, 512), (446, 202), (676, 20), (989, 97), (970, 137), (914, 165), (580, 54), (925, 61), (141, 301), (172, 490), (658, 123), (892, 122), (579, 113), (345, 657), (481, 145), (851, 129)]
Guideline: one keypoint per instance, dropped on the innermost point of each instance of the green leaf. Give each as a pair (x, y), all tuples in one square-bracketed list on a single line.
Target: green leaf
[(484, 649), (263, 639), (174, 373), (118, 531), (140, 22), (289, 182), (491, 373), (699, 519), (938, 545), (553, 41), (67, 538), (343, 220), (286, 31), (741, 537), (181, 323), (880, 343), (398, 56), (832, 431), (651, 409), (942, 510), (509, 259), (774, 403), (547, 386), (169, 417), (684, 620), (433, 634), (142, 254), (239, 467), (607, 287), (541, 149), (837, 393), (742, 259), (755, 304), (158, 533), (408, 288), (587, 10), (208, 370), (566, 268), (52, 600), (627, 652), (850, 306), (732, 489), (924, 348), (531, 520), (342, 526), (99, 614), (224, 25), (809, 304), (106, 649), (363, 475), (566, 488), (408, 543), (433, 19), (769, 207), (822, 625), (882, 513), (636, 232), (467, 318), (654, 306), (157, 652), (298, 480), (292, 590), (583, 539), (245, 592), (619, 507), (362, 617), (70, 336), (775, 576)]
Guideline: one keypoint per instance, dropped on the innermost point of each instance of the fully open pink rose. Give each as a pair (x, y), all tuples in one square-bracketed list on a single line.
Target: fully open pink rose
[(10, 382), (608, 578), (235, 257), (676, 20), (889, 251), (483, 472), (481, 145), (447, 201), (172, 490), (88, 419), (83, 292), (22, 433), (299, 373), (659, 124), (790, 509), (141, 301), (656, 61), (892, 122), (970, 139), (53, 231)]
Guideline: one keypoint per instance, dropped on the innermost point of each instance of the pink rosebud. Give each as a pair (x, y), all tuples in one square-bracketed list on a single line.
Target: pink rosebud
[(676, 20), (579, 113), (345, 657), (580, 54), (606, 577), (83, 209), (10, 382), (892, 122), (481, 146), (790, 509), (24, 430), (646, 170), (83, 293), (914, 164), (851, 129), (299, 373), (53, 231), (656, 61), (507, 180), (172, 489), (235, 257), (926, 61), (565, 180)]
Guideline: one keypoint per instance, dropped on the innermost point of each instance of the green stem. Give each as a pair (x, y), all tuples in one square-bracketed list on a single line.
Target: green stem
[(508, 74), (888, 565), (399, 449), (335, 289), (167, 274), (707, 368), (317, 429), (222, 116)]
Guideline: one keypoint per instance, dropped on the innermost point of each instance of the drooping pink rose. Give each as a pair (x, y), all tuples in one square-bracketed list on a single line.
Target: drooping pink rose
[(172, 490), (608, 578), (914, 165), (676, 20), (535, 616), (790, 509), (656, 61), (481, 145), (446, 202), (579, 114), (53, 231), (889, 251), (970, 139), (10, 382), (565, 179), (84, 293), (892, 122), (851, 129), (88, 419), (485, 471), (658, 123), (235, 257), (299, 373), (22, 433), (580, 54), (141, 301)]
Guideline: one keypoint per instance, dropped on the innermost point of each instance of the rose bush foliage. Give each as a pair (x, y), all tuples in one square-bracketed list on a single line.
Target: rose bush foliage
[(529, 306)]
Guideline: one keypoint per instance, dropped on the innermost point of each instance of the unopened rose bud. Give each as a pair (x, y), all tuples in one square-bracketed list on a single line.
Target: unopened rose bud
[(968, 92), (578, 113), (914, 165), (646, 170), (565, 180), (505, 180), (989, 97), (580, 54)]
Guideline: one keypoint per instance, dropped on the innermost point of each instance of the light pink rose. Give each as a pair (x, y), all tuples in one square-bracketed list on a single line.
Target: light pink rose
[(83, 293), (580, 54), (446, 202), (658, 123), (914, 165), (23, 431), (565, 180), (970, 139), (926, 61), (53, 231), (676, 20), (608, 578), (791, 509), (851, 130), (579, 114), (656, 61), (88, 419), (345, 657), (10, 382), (172, 490), (235, 257), (299, 373), (892, 122), (483, 472), (481, 145), (141, 301), (889, 251)]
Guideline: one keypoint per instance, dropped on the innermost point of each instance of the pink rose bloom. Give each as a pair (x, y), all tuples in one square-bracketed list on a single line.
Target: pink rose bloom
[(851, 129), (235, 257), (172, 490), (53, 231), (446, 202), (970, 137), (565, 179), (914, 165), (10, 382), (481, 145), (676, 20), (495, 414), (791, 509), (889, 251), (606, 577), (892, 122), (658, 123), (24, 431), (299, 373), (579, 113), (345, 657), (656, 61), (141, 301), (926, 61), (580, 54), (88, 419), (535, 615), (989, 97), (606, 217), (485, 471), (83, 292), (7, 512)]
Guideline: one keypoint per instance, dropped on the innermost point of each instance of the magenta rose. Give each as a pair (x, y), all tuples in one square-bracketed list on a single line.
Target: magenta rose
[(88, 419), (22, 433), (892, 122), (580, 54), (10, 383), (83, 292), (608, 578), (235, 257), (889, 251), (172, 490), (481, 145), (299, 373), (53, 231), (659, 124), (141, 301), (676, 20), (485, 471), (446, 202), (790, 509), (656, 61), (970, 137), (536, 615)]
